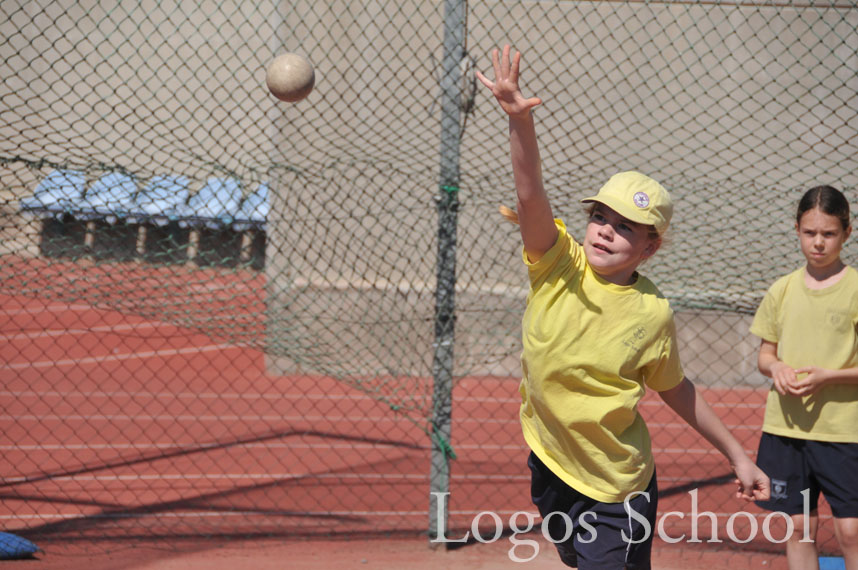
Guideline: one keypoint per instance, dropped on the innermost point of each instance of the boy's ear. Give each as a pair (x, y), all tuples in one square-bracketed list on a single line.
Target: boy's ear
[(652, 247), (848, 232)]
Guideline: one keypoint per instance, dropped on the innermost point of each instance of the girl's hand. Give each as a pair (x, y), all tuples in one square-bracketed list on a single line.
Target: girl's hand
[(751, 483), (784, 378), (816, 378), (505, 86)]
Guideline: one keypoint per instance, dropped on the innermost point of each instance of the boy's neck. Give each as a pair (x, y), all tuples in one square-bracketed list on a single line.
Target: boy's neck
[(621, 278)]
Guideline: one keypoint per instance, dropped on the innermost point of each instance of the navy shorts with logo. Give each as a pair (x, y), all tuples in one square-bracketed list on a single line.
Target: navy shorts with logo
[(794, 465), (621, 540)]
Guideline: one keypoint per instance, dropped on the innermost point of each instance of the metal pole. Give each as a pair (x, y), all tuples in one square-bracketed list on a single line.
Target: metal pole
[(448, 206)]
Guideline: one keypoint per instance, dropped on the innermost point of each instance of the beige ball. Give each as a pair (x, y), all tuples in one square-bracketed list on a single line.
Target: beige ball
[(290, 77)]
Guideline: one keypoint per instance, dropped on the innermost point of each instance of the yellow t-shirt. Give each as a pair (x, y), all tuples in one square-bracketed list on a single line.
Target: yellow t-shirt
[(590, 347), (812, 327)]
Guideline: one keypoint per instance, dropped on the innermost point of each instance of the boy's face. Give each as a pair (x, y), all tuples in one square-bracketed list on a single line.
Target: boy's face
[(615, 245)]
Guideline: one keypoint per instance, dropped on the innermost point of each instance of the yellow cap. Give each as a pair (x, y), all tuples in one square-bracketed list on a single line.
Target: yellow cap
[(638, 198)]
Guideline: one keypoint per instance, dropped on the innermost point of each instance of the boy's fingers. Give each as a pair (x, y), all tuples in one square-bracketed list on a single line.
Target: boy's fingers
[(505, 61), (496, 63), (484, 80), (513, 70)]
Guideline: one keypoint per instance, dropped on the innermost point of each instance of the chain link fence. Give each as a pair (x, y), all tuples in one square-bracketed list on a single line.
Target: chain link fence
[(232, 295)]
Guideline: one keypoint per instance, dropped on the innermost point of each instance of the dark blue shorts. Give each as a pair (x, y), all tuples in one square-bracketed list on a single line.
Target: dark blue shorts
[(607, 537), (794, 465)]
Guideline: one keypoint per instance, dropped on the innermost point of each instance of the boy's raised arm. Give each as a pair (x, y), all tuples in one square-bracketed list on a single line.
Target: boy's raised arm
[(536, 221)]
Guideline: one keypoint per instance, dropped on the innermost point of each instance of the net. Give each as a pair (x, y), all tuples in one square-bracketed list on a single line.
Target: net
[(354, 238)]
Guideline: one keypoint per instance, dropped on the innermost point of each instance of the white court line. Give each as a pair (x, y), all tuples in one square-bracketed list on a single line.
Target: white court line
[(116, 357), (232, 418), (293, 418), (320, 445), (216, 446), (47, 309), (270, 477), (684, 425), (222, 477), (408, 446), (299, 396), (295, 476), (229, 396), (280, 514), (145, 325), (285, 418), (225, 514), (714, 404), (709, 450)]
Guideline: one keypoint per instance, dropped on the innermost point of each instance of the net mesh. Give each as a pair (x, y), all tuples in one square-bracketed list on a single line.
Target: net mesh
[(323, 313)]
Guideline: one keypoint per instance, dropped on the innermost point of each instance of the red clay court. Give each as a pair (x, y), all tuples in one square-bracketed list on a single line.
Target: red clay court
[(132, 429)]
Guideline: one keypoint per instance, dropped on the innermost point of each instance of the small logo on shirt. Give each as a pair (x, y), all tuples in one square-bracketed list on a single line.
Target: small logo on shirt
[(635, 338), (836, 320), (641, 199), (779, 489)]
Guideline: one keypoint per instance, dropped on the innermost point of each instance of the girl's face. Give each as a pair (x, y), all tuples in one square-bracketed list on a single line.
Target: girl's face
[(822, 237), (615, 245)]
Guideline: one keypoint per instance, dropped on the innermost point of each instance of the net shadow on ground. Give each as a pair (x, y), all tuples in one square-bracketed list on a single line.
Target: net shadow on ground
[(117, 523)]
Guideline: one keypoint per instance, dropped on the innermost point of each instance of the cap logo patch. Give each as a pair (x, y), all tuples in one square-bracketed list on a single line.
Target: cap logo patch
[(641, 199)]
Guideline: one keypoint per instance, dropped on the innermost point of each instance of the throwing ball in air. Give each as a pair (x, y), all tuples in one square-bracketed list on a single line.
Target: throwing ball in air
[(290, 77)]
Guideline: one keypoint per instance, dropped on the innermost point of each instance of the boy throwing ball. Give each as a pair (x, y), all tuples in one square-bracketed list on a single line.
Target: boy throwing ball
[(596, 334)]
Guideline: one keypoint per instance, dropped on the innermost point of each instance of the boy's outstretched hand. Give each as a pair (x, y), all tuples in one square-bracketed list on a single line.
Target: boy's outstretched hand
[(505, 86), (752, 483)]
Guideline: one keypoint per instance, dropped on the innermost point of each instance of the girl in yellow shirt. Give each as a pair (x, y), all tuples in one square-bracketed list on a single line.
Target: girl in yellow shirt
[(808, 323)]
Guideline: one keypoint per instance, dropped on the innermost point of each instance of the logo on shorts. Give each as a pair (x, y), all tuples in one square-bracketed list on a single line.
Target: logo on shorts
[(640, 199), (779, 489)]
